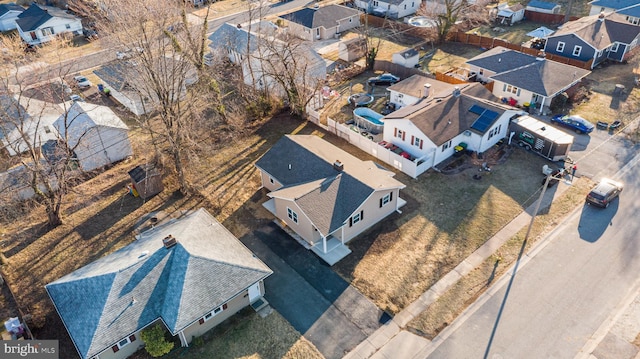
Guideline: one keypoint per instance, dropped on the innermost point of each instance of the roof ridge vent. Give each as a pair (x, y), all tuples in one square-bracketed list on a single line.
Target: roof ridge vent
[(169, 241)]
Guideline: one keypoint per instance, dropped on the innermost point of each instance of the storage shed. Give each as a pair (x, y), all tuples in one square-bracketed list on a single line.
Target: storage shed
[(408, 58), (352, 50), (96, 134), (543, 7), (146, 180), (509, 15)]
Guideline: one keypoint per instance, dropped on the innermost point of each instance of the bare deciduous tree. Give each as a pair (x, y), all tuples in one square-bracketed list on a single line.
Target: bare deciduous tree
[(29, 95), (446, 13), (161, 61)]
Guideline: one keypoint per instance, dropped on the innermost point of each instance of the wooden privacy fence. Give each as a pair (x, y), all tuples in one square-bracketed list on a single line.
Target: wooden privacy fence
[(397, 69), (553, 19), (491, 42)]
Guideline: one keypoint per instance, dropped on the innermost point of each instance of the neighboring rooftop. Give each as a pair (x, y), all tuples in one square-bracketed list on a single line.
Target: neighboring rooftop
[(601, 32), (37, 15), (134, 286), (325, 16), (542, 4), (414, 86), (500, 59), (543, 77)]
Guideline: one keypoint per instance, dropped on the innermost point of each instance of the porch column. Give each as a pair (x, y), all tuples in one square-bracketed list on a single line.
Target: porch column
[(183, 339), (324, 244), (542, 105), (342, 235)]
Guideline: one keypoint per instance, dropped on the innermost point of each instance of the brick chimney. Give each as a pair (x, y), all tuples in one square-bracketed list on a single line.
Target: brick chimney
[(169, 241), (338, 166)]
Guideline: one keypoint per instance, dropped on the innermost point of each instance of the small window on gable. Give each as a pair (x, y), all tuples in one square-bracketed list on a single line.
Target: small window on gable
[(577, 50), (271, 180), (292, 215), (68, 26), (350, 19), (560, 46)]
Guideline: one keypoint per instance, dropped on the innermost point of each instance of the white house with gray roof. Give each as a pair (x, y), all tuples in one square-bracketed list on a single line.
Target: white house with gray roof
[(525, 78), (321, 23), (39, 24), (394, 9), (8, 15), (415, 88), (324, 194), (189, 274)]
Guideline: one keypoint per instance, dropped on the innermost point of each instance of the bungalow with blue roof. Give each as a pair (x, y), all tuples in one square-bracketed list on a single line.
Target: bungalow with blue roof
[(321, 23), (189, 274), (39, 24), (544, 7), (8, 15), (324, 194), (629, 8), (595, 38)]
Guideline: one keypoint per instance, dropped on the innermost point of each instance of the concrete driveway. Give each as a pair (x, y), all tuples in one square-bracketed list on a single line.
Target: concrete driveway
[(317, 302)]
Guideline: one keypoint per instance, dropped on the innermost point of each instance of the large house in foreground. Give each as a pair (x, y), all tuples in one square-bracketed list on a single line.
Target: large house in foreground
[(189, 275), (324, 194)]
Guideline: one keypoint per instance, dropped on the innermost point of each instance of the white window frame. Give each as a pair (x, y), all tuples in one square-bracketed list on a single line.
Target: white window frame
[(400, 133), (560, 46), (212, 313), (121, 345), (512, 89), (417, 142), (47, 31), (446, 145), (355, 219), (67, 26), (614, 47), (386, 199), (577, 50), (292, 215)]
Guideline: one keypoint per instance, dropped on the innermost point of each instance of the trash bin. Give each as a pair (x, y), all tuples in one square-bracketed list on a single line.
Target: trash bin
[(100, 87)]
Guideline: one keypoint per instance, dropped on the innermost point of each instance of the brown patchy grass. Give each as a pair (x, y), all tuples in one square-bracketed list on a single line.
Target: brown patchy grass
[(446, 218), (449, 55), (515, 34), (442, 312), (100, 217)]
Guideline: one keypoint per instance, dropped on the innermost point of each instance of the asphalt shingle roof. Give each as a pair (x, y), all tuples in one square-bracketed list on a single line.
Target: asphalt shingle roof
[(414, 85), (5, 8), (543, 77), (542, 4), (134, 286), (443, 118), (326, 16), (614, 4), (236, 38), (600, 33), (303, 164), (500, 59)]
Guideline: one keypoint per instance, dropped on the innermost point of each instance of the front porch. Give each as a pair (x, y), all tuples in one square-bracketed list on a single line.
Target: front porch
[(331, 250)]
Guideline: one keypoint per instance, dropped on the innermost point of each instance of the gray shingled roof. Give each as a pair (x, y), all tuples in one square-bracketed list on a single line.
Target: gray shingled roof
[(326, 16), (326, 196), (441, 119), (5, 8), (229, 35), (600, 33), (207, 267), (36, 15), (543, 77), (413, 86), (500, 59)]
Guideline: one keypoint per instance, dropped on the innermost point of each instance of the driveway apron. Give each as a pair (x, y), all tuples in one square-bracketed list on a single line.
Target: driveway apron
[(317, 302)]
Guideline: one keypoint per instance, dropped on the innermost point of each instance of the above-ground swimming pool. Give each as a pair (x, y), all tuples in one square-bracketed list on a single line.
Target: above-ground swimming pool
[(368, 119), (422, 21)]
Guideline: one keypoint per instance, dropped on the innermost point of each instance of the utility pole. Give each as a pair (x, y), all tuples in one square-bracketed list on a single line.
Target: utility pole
[(535, 211)]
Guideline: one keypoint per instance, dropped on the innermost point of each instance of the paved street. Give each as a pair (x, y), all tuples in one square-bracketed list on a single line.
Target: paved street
[(554, 304)]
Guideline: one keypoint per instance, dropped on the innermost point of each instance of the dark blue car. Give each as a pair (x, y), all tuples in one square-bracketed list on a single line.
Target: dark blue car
[(574, 122)]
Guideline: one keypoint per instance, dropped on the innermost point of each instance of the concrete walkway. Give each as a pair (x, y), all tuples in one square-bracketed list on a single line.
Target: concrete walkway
[(391, 340)]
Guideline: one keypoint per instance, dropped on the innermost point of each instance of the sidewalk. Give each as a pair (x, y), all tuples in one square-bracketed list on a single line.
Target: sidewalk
[(391, 340)]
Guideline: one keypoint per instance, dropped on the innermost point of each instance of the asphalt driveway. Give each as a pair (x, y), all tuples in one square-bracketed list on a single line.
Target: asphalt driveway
[(322, 306)]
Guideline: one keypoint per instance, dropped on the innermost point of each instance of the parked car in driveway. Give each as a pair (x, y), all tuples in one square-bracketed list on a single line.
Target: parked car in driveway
[(385, 79), (82, 81), (604, 192), (574, 122)]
